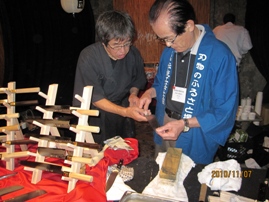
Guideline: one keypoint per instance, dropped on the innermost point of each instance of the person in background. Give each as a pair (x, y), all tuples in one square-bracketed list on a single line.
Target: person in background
[(115, 69), (196, 84), (235, 36)]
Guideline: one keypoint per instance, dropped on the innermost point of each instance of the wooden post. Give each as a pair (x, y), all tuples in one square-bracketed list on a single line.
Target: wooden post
[(81, 134), (45, 130), (12, 120)]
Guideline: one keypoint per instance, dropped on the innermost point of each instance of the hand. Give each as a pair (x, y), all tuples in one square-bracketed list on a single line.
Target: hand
[(133, 100), (171, 130), (145, 100), (136, 113)]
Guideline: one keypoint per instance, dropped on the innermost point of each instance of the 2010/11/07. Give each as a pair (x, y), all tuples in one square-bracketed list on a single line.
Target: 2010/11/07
[(231, 173)]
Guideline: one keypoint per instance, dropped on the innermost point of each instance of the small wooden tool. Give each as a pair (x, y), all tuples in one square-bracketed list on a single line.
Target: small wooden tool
[(202, 195), (170, 164)]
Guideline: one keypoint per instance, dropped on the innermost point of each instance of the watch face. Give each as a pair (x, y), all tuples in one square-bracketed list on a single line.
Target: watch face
[(186, 129)]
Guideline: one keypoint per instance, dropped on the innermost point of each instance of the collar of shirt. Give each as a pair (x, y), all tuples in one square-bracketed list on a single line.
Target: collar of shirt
[(198, 41)]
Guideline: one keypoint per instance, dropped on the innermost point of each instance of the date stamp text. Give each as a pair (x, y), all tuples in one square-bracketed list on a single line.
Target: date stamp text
[(231, 173)]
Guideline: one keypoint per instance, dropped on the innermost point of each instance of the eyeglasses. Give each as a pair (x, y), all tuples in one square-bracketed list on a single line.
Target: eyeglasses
[(164, 41), (118, 47)]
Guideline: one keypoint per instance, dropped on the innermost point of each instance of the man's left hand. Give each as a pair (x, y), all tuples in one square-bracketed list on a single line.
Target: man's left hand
[(171, 130)]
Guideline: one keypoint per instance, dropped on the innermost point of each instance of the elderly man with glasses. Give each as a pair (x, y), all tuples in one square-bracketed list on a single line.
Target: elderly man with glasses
[(196, 86), (115, 69)]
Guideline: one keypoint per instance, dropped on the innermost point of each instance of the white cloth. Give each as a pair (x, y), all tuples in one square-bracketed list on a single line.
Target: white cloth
[(222, 175), (117, 142), (173, 190), (236, 37), (117, 190)]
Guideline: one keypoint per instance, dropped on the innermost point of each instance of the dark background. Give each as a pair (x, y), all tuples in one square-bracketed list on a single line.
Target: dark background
[(42, 44)]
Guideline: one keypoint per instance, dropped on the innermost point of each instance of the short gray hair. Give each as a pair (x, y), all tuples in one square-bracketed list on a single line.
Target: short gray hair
[(114, 25)]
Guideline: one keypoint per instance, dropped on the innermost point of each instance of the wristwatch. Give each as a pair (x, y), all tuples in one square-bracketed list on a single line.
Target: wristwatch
[(186, 125)]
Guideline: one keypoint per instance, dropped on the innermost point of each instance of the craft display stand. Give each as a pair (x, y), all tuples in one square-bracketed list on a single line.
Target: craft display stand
[(44, 130), (83, 133), (13, 130)]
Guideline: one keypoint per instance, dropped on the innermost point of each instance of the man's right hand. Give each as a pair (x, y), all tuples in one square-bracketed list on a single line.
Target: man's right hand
[(136, 113), (146, 98)]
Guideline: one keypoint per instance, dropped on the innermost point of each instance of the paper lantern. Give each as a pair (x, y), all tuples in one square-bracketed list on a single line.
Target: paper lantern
[(72, 6)]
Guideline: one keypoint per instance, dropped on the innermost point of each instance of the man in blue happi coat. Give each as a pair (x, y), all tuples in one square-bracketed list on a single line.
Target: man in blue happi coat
[(196, 86)]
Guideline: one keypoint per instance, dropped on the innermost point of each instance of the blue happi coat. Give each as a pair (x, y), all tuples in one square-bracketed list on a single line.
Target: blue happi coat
[(212, 96)]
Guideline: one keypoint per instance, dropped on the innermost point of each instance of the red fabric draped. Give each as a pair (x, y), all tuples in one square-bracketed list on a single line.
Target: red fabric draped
[(56, 188)]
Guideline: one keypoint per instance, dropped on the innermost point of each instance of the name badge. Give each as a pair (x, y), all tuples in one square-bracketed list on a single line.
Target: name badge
[(179, 94)]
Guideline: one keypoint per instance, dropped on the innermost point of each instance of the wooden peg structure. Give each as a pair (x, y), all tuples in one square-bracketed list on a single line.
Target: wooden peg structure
[(81, 154), (45, 129), (13, 130), (83, 151), (50, 100), (83, 133)]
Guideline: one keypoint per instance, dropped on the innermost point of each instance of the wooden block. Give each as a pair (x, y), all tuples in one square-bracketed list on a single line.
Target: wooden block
[(203, 191), (170, 164), (265, 114)]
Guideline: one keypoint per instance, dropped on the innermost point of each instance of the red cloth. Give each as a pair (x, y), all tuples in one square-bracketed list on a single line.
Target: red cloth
[(56, 188), (128, 156)]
